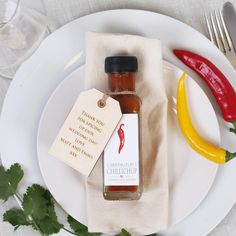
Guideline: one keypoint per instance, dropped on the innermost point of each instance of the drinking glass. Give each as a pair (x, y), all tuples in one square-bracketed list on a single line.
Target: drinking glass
[(21, 31)]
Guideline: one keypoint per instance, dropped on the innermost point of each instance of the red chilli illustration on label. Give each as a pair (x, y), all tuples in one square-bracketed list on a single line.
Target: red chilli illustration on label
[(121, 135)]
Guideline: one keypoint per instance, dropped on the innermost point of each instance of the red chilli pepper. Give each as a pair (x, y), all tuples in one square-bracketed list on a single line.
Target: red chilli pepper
[(219, 85), (121, 135)]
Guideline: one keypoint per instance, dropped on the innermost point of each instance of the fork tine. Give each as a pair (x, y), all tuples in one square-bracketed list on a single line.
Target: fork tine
[(209, 29), (222, 37), (217, 36), (228, 39)]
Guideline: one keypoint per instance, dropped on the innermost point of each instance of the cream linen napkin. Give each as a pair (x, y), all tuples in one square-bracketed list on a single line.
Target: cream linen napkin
[(150, 213)]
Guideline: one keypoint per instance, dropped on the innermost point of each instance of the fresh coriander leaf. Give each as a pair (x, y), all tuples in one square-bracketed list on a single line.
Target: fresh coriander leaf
[(38, 204), (75, 225), (15, 174), (79, 229), (16, 217), (5, 192), (9, 180), (35, 202), (49, 224), (124, 232)]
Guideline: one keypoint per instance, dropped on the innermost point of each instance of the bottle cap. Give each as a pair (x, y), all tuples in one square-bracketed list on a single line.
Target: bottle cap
[(121, 64)]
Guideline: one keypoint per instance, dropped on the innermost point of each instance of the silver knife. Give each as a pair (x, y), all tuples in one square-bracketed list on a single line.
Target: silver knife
[(229, 15)]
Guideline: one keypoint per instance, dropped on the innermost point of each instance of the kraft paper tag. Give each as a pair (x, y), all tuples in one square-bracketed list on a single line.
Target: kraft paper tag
[(86, 130)]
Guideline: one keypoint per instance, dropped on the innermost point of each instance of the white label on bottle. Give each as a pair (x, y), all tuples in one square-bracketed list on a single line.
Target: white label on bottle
[(121, 155)]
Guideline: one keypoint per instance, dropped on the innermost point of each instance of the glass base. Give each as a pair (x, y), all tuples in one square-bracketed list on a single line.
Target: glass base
[(10, 70)]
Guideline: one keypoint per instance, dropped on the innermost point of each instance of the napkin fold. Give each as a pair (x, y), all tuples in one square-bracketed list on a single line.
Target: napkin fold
[(150, 213)]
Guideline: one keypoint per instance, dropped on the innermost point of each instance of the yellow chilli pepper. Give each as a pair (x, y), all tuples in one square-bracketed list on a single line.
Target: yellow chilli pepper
[(211, 152)]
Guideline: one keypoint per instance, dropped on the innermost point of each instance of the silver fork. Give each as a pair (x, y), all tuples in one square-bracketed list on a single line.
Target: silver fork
[(219, 35)]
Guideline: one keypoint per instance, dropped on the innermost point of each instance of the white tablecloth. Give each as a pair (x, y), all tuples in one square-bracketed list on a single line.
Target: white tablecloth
[(59, 12)]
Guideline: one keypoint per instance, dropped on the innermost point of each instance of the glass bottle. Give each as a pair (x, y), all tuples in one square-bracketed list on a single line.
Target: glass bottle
[(121, 160)]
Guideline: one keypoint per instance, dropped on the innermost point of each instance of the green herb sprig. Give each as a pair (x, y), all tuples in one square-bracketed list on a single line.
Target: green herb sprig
[(37, 207)]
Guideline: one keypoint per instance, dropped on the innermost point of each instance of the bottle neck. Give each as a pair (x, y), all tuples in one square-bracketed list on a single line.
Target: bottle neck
[(118, 82)]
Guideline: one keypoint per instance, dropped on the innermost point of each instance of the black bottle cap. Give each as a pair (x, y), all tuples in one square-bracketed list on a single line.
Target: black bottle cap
[(121, 64)]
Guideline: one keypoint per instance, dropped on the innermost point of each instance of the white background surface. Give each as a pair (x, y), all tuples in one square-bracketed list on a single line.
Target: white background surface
[(60, 12)]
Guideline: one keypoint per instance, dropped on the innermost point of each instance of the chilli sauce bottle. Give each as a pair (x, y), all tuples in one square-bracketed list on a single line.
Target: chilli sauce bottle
[(121, 160)]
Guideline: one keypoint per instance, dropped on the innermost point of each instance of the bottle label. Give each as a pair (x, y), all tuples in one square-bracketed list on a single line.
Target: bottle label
[(121, 155)]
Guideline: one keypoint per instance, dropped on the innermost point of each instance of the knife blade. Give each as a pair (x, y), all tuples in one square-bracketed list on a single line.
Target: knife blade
[(229, 15)]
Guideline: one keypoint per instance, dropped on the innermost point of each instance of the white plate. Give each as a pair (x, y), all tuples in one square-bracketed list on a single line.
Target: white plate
[(61, 53), (184, 164)]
